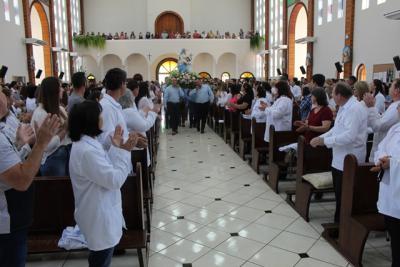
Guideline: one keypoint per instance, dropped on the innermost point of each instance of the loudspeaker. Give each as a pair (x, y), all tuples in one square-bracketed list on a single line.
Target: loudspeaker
[(338, 67), (61, 76), (279, 71), (396, 60), (3, 71), (38, 74), (303, 70)]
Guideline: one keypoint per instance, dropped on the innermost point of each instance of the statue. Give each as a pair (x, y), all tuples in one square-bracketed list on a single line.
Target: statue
[(184, 62)]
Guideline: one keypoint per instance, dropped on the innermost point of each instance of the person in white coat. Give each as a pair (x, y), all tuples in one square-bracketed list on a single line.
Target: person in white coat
[(381, 124), (387, 160), (348, 136), (97, 175), (376, 89), (281, 112)]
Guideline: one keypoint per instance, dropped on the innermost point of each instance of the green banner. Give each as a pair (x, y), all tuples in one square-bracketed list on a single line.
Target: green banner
[(291, 2)]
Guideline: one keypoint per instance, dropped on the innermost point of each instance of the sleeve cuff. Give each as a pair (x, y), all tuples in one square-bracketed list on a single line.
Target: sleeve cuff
[(328, 141)]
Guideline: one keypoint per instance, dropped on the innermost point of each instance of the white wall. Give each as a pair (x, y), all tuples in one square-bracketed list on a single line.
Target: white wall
[(376, 39), (204, 62), (330, 42), (140, 15), (13, 51), (115, 16)]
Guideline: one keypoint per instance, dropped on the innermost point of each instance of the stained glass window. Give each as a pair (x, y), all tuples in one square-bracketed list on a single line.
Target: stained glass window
[(165, 69)]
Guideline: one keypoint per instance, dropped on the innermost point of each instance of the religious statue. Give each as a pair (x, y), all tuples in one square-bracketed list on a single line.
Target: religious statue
[(184, 62)]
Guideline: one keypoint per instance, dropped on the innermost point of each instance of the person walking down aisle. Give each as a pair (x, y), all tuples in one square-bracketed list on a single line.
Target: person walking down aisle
[(203, 96), (172, 96)]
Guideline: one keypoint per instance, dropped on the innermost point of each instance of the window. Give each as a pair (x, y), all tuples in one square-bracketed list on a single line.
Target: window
[(6, 10), (60, 23), (340, 9), (16, 12), (320, 11), (364, 4), (165, 67), (275, 38), (330, 11), (225, 76), (204, 75), (246, 75), (380, 2)]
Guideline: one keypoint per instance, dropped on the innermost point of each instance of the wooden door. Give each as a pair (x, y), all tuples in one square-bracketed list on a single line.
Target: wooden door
[(170, 22)]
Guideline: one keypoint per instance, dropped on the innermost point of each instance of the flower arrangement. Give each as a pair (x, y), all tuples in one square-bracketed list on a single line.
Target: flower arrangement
[(255, 40), (185, 79), (86, 41)]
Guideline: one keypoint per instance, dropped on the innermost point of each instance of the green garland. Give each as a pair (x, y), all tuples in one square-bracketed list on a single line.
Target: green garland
[(90, 41), (255, 41)]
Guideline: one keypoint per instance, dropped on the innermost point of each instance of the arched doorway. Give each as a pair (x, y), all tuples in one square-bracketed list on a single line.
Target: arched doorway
[(165, 67), (361, 72), (297, 53), (170, 22), (40, 30)]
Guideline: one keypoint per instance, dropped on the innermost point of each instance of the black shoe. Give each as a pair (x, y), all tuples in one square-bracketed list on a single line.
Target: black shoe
[(198, 129), (202, 131)]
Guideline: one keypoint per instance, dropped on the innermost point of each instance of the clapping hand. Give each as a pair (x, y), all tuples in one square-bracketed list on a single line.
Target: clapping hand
[(369, 100), (47, 130), (117, 138), (142, 141), (384, 163), (25, 135)]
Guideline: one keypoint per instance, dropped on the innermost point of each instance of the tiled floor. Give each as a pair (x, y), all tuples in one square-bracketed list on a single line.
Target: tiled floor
[(212, 209)]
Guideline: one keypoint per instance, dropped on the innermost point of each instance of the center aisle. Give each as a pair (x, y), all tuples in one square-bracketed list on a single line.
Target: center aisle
[(211, 209)]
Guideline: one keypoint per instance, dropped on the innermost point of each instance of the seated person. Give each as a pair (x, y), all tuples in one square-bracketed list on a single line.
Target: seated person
[(319, 119), (116, 36), (148, 35), (140, 35), (196, 35)]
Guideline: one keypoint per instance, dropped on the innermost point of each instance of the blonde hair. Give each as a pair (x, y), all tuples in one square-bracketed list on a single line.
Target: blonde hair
[(360, 89)]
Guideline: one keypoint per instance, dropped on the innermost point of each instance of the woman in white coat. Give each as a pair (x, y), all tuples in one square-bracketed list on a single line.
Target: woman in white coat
[(97, 176), (281, 112)]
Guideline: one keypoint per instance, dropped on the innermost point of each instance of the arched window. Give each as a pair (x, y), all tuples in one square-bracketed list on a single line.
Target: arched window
[(204, 75), (361, 72), (165, 67), (225, 76), (246, 75)]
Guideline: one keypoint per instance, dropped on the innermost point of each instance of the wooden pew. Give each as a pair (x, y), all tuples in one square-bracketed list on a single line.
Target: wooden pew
[(258, 146), (140, 156), (227, 126), (234, 139), (244, 136), (309, 160), (54, 211), (219, 120), (276, 165), (358, 214)]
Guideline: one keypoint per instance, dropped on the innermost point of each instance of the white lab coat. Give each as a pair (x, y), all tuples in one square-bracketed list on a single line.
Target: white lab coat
[(349, 134), (380, 103), (388, 201), (280, 115), (97, 176), (256, 113), (296, 91), (381, 124)]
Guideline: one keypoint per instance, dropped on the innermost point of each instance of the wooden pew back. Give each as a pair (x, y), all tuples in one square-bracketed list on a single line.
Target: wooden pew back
[(244, 128), (277, 140), (258, 130)]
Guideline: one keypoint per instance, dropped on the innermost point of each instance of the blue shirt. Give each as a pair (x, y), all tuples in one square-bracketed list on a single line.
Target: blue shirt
[(173, 94), (305, 107), (203, 95)]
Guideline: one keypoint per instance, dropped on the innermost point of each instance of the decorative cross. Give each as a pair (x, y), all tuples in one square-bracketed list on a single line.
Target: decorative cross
[(149, 56)]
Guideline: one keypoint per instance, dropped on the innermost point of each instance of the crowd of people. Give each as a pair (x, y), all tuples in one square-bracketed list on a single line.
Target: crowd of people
[(87, 131), (175, 35)]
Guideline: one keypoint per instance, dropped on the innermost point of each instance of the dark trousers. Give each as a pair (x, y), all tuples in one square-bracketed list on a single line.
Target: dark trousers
[(192, 113), (167, 118), (100, 258), (183, 113), (201, 115), (13, 249), (393, 227), (337, 176), (173, 111)]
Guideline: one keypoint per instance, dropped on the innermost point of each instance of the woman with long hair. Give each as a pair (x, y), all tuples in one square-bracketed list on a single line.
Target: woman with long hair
[(56, 156)]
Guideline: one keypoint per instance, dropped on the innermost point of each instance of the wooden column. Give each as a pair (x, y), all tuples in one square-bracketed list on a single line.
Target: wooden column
[(70, 46), (53, 38), (252, 16), (285, 39), (266, 66), (310, 32), (349, 35), (28, 34)]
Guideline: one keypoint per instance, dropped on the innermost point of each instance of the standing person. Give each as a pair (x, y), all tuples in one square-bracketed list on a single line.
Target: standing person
[(97, 175), (78, 91), (377, 89), (16, 192), (192, 109), (204, 96), (387, 159), (184, 107), (172, 97), (348, 136)]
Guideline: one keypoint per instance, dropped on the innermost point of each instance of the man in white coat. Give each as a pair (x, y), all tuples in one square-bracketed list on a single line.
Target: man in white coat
[(348, 136)]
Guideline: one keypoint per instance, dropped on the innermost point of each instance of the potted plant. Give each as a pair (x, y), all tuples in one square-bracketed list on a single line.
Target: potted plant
[(90, 41)]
